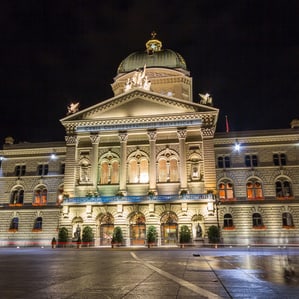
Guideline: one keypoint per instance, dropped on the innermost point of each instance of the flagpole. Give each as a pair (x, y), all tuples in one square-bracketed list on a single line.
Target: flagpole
[(226, 124)]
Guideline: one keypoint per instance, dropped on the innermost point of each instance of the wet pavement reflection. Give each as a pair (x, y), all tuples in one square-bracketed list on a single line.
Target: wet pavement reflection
[(149, 273)]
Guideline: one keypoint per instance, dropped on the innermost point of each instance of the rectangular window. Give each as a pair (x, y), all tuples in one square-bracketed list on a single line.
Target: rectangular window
[(223, 162), (62, 168), (279, 159), (251, 160), (20, 170), (42, 169)]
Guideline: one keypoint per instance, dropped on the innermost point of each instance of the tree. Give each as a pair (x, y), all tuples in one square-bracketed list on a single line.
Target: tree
[(62, 236), (87, 235), (214, 234), (151, 235), (117, 236), (185, 234)]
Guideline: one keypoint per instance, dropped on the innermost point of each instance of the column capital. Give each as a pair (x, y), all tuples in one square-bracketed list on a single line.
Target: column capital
[(94, 138), (123, 136), (182, 133), (71, 139), (152, 135)]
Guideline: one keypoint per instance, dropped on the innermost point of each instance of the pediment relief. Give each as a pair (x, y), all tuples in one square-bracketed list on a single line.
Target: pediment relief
[(135, 104)]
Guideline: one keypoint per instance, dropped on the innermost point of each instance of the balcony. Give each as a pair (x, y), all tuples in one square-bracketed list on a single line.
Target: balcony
[(138, 199)]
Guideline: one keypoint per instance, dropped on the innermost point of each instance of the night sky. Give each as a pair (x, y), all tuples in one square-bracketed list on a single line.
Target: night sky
[(244, 53)]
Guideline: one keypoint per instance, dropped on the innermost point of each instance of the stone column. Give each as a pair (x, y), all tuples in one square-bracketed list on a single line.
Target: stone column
[(70, 164), (209, 159), (123, 137), (152, 135), (182, 133), (95, 139)]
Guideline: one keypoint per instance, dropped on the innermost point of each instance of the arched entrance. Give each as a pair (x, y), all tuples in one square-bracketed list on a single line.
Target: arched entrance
[(169, 228), (106, 229), (137, 229)]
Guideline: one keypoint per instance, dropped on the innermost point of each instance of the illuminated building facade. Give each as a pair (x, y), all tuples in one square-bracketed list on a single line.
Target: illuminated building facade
[(149, 156)]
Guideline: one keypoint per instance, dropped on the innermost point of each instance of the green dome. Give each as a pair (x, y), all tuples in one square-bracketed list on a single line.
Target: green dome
[(153, 56)]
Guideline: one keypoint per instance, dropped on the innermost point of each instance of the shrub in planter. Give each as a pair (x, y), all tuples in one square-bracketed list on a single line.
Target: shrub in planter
[(62, 236), (117, 236), (151, 235), (185, 234), (87, 235), (214, 234)]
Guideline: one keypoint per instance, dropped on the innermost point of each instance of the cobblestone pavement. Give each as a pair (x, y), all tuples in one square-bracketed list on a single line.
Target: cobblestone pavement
[(149, 273)]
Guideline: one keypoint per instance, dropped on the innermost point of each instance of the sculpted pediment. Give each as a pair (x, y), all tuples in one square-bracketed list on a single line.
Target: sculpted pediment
[(137, 103)]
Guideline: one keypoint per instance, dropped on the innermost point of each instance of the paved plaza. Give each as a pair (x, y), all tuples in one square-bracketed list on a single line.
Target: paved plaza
[(149, 273)]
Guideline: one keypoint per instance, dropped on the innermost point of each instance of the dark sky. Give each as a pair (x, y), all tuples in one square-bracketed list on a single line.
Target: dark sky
[(244, 53)]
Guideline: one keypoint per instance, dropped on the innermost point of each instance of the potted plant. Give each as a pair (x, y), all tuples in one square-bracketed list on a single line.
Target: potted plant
[(53, 242), (62, 236), (214, 235), (87, 235), (151, 235), (185, 235), (117, 237)]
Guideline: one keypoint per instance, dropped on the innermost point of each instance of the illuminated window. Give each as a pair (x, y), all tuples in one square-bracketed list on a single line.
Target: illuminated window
[(17, 196), (287, 219), (283, 188), (168, 166), (279, 159), (109, 169), (20, 170), (40, 196), (254, 189), (251, 160), (42, 169), (257, 220), (225, 189), (138, 170), (228, 221)]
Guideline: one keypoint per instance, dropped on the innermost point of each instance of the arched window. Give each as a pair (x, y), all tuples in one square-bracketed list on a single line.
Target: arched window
[(133, 171), (168, 166), (38, 223), (138, 170), (173, 170), (283, 188), (17, 196), (40, 196), (14, 224), (287, 220), (109, 169), (257, 220), (254, 189), (225, 190), (228, 221)]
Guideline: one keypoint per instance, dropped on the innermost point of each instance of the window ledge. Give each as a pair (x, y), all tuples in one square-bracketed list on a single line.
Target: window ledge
[(229, 228), (259, 227), (15, 204), (256, 198), (13, 230), (227, 199), (36, 230), (288, 226), (285, 197), (39, 204)]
